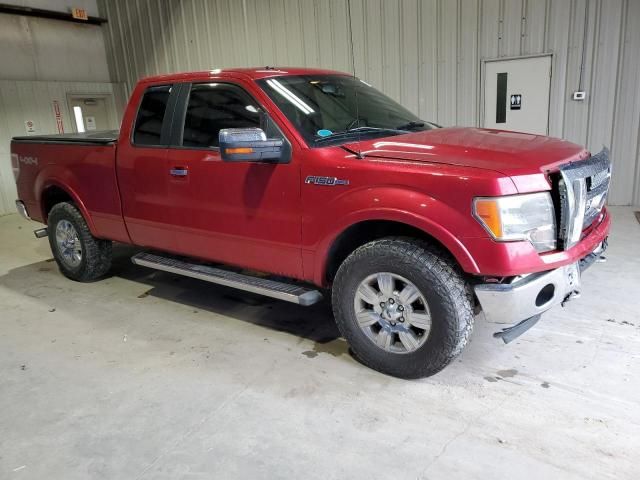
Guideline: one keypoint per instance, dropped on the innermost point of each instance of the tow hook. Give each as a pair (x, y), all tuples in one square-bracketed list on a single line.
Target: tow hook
[(510, 334), (41, 233), (571, 296)]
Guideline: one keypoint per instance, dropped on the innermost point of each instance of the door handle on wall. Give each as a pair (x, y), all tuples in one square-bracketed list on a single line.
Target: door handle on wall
[(179, 172)]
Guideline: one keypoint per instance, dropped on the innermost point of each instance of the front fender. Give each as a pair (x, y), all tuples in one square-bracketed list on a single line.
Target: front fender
[(448, 225)]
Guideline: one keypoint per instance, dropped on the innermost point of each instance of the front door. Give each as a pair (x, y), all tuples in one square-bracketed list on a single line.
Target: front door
[(241, 213), (516, 94)]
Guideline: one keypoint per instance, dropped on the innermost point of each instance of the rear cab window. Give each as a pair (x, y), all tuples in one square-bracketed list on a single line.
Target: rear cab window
[(150, 118)]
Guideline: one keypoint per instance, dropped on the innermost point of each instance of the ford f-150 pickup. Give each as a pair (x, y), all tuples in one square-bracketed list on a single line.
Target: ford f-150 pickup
[(298, 183)]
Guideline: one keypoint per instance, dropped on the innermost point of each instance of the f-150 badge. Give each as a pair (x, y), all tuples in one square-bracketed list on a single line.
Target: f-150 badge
[(328, 181)]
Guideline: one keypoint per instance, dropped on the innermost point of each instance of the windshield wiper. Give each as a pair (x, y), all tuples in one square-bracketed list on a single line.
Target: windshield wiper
[(356, 131), (411, 125)]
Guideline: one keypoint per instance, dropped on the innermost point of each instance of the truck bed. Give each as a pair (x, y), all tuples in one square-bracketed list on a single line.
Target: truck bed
[(83, 166), (104, 137)]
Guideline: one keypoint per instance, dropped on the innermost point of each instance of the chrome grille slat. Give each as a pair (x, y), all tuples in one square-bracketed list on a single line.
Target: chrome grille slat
[(583, 190)]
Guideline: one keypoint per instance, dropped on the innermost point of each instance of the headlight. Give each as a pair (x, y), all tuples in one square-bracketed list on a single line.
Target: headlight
[(519, 217)]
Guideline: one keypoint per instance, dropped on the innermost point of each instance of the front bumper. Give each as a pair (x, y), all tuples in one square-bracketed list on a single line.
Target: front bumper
[(531, 295)]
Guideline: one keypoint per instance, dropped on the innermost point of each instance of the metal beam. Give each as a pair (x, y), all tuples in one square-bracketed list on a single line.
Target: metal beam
[(50, 14)]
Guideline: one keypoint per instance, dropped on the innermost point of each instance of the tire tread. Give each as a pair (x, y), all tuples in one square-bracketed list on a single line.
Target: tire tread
[(450, 285), (97, 253)]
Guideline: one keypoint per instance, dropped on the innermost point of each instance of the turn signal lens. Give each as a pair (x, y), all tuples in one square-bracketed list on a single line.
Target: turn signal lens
[(488, 211), (239, 150), (529, 217)]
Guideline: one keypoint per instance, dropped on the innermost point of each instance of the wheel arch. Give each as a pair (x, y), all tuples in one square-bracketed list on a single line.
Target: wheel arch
[(357, 233), (53, 193)]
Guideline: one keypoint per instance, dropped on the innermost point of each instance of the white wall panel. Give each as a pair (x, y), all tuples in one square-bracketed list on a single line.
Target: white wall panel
[(534, 25), (427, 58), (511, 38), (604, 80), (626, 126), (468, 78), (44, 49), (557, 41), (424, 53)]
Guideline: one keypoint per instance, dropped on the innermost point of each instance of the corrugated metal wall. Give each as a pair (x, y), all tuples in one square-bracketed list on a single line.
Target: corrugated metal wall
[(424, 53), (25, 100)]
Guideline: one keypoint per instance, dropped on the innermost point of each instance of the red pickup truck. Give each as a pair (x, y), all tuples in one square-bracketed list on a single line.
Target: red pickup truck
[(296, 183)]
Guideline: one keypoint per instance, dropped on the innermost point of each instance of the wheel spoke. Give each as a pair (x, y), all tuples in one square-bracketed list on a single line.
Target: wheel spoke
[(68, 242), (419, 320), (60, 236), (366, 318), (385, 284), (368, 294), (392, 312), (409, 340), (409, 294), (384, 339)]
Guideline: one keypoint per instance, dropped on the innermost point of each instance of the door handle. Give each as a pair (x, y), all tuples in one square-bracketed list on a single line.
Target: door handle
[(179, 172)]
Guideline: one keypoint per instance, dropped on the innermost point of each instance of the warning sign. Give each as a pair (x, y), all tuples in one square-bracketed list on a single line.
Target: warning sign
[(30, 126)]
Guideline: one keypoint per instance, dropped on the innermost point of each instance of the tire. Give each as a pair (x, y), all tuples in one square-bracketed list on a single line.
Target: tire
[(88, 262), (431, 335)]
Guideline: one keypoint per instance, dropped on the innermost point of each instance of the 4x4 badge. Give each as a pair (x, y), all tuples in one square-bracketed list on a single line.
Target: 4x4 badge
[(329, 181)]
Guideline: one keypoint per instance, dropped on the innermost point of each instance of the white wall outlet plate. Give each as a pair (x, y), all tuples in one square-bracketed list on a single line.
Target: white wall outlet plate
[(579, 95)]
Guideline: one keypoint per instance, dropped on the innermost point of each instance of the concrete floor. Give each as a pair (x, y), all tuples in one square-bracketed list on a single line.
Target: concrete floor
[(150, 376)]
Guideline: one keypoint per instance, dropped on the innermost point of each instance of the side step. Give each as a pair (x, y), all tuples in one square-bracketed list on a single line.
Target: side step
[(262, 286)]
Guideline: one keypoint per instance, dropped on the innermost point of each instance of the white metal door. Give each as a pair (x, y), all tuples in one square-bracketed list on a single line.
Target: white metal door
[(90, 112), (516, 94)]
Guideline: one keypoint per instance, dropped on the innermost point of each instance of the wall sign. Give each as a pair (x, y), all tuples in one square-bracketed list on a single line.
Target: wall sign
[(30, 126), (57, 113), (516, 101), (90, 123), (79, 14)]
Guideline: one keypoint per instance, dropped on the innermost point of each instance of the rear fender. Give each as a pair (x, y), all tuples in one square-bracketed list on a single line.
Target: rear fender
[(64, 179)]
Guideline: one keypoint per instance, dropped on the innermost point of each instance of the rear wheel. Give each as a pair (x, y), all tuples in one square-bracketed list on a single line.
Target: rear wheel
[(79, 255), (403, 306)]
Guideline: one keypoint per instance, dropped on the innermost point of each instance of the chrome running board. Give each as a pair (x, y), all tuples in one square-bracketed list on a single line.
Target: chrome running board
[(263, 286)]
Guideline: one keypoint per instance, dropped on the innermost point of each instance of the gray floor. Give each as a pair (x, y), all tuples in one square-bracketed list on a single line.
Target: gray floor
[(148, 375)]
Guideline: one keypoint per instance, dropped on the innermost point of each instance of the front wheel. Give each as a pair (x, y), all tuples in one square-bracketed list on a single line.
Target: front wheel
[(79, 255), (403, 306)]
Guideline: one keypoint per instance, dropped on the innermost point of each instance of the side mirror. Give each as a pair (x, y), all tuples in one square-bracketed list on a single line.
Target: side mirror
[(249, 145)]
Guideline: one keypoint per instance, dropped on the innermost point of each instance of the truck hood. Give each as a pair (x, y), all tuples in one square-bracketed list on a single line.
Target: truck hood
[(509, 153)]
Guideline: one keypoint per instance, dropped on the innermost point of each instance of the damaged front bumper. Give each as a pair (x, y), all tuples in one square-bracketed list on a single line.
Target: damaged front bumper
[(525, 298)]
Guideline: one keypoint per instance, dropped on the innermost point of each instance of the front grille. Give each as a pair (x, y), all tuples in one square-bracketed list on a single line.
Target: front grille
[(582, 189)]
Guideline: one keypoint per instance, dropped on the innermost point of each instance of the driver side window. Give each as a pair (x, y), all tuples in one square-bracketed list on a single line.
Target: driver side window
[(214, 106)]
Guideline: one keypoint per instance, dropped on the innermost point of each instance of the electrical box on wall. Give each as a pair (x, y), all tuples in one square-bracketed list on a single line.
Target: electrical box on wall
[(579, 95)]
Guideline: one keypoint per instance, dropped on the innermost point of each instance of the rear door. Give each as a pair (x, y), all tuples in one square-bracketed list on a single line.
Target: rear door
[(240, 213), (142, 169)]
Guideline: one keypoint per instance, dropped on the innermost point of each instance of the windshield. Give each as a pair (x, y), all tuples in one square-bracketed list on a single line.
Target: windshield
[(334, 109)]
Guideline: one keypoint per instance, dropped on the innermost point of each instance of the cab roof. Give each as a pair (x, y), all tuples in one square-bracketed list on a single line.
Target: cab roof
[(252, 73)]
